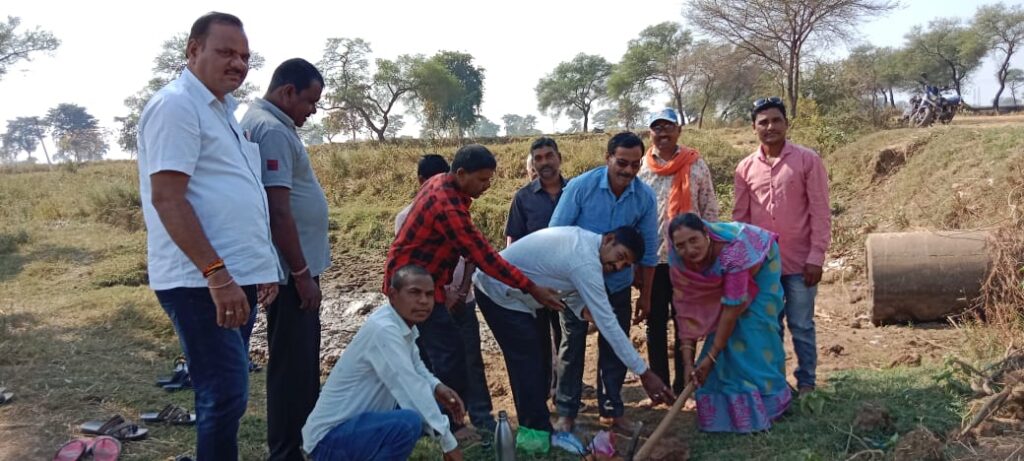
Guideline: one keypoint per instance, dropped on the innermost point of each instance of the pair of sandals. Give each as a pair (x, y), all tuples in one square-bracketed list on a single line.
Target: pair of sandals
[(102, 448)]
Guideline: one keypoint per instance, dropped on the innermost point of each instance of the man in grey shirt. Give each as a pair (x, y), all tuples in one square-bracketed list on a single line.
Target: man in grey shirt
[(298, 224)]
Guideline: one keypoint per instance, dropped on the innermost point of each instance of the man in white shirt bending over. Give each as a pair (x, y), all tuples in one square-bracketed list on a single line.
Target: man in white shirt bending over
[(379, 395), (573, 261)]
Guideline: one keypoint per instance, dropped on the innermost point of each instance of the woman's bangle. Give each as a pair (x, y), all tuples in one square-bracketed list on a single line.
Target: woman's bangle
[(712, 357), (217, 287), (300, 272)]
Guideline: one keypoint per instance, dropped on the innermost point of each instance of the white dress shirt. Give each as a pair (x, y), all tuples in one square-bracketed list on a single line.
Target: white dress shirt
[(185, 128), (380, 369), (566, 259)]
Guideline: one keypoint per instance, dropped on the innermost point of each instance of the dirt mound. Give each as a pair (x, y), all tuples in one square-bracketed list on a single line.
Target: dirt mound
[(872, 416), (891, 158), (918, 445), (670, 450)]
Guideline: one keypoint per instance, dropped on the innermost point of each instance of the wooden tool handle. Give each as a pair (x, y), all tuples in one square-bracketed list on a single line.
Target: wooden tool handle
[(659, 431)]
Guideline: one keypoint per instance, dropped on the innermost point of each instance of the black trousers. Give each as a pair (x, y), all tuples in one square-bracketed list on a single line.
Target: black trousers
[(293, 371), (658, 342), (524, 340)]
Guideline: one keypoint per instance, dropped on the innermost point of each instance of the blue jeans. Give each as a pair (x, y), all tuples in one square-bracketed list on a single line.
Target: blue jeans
[(384, 436), (799, 315), (218, 362), (477, 396), (611, 372)]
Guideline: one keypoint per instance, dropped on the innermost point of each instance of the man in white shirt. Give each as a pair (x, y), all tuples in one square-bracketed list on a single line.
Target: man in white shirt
[(210, 256), (573, 261), (355, 417)]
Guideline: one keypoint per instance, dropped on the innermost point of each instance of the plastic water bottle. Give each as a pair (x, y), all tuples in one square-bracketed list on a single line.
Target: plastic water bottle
[(504, 441)]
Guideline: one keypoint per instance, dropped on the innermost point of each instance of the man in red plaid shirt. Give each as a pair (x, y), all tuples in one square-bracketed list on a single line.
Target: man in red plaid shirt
[(438, 231)]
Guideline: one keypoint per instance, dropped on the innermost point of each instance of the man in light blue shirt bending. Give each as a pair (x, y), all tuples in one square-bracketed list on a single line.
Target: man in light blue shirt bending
[(601, 200)]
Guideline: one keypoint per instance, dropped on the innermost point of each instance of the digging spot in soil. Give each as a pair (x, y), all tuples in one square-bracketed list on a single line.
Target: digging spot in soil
[(918, 445), (872, 416), (670, 450)]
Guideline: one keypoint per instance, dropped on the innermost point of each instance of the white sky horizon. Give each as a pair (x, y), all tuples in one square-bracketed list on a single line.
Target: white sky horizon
[(108, 47)]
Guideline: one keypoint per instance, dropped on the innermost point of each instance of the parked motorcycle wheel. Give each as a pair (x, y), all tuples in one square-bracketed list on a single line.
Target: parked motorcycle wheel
[(923, 117)]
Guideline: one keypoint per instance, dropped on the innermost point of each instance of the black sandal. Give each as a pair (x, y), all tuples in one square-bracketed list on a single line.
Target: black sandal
[(116, 427), (171, 414)]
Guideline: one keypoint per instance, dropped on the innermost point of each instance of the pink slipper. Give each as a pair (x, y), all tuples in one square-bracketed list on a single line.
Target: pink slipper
[(74, 450), (106, 448)]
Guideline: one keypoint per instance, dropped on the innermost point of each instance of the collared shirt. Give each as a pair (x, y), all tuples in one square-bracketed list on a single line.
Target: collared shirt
[(531, 209), (285, 163), (184, 128), (566, 259), (702, 196), (588, 202), (379, 370), (789, 198), (438, 231), (452, 289)]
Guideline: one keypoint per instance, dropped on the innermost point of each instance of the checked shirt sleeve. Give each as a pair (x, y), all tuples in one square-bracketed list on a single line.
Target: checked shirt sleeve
[(474, 247)]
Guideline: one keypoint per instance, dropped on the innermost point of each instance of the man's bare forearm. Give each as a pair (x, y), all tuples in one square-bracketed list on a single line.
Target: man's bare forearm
[(647, 276), (182, 225)]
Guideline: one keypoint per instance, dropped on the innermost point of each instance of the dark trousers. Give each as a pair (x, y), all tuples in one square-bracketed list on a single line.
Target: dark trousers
[(293, 371), (523, 340), (478, 396), (658, 340), (218, 362), (611, 372), (443, 351)]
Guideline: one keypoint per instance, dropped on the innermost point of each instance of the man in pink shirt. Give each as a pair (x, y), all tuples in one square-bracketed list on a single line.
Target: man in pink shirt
[(783, 187)]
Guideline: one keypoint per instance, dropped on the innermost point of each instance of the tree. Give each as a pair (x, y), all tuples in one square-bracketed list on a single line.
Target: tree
[(77, 133), (396, 125), (15, 47), (657, 57), (167, 66), (605, 119), (516, 125), (955, 49), (8, 153), (351, 88), (24, 134), (779, 31), (578, 84), (311, 133), (484, 128), (1004, 28), (450, 91), (1015, 80)]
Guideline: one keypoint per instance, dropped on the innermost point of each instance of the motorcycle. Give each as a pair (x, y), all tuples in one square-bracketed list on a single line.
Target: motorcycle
[(933, 104)]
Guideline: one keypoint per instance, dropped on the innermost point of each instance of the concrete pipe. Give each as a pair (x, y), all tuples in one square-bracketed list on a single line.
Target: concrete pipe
[(925, 276)]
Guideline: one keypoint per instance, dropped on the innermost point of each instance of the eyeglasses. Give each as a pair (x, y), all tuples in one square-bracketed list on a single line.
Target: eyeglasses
[(765, 101)]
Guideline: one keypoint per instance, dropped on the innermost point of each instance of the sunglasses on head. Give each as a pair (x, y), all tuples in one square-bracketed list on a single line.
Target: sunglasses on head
[(766, 101)]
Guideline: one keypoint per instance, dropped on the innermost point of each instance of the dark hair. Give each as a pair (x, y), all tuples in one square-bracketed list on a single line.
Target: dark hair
[(631, 239), (431, 165), (473, 158), (296, 71), (625, 139), (545, 141), (781, 106), (688, 220), (201, 28), (402, 275)]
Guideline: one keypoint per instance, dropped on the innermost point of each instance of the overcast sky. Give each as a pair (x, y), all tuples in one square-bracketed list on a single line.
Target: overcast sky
[(108, 47)]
